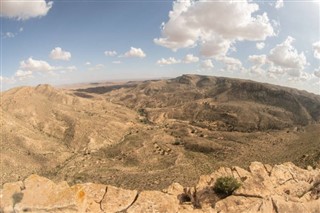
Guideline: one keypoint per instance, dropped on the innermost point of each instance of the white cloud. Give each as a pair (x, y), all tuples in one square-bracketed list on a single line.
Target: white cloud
[(9, 35), (135, 52), (260, 45), (110, 53), (59, 54), (257, 59), (20, 74), (283, 59), (168, 61), (71, 68), (35, 65), (287, 57), (23, 10), (231, 64), (279, 4), (190, 59), (66, 69), (98, 67), (88, 63), (316, 48), (257, 70), (116, 62), (198, 22), (29, 67), (206, 64)]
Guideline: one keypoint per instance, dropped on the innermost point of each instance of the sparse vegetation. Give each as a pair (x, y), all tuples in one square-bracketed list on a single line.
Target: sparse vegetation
[(195, 147), (142, 112), (177, 143), (225, 186), (144, 120), (120, 125)]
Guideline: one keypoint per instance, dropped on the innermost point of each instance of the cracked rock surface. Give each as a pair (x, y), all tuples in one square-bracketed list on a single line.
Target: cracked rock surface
[(264, 189)]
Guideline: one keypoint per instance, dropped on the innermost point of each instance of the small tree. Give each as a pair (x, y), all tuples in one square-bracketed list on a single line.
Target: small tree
[(225, 186)]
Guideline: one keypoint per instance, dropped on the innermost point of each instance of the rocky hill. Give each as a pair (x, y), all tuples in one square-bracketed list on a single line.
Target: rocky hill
[(43, 127), (282, 188), (146, 135), (219, 103)]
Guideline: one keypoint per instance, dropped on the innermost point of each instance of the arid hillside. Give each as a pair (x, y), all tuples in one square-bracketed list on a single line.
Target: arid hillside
[(218, 103), (148, 134)]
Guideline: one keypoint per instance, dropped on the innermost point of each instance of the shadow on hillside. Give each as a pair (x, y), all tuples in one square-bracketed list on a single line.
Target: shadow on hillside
[(105, 89), (82, 95)]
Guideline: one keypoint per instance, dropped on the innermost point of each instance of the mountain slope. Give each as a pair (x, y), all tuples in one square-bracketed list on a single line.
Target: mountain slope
[(145, 135), (228, 104), (43, 127)]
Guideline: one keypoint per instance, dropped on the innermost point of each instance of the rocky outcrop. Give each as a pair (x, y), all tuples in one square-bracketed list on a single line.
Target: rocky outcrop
[(265, 189)]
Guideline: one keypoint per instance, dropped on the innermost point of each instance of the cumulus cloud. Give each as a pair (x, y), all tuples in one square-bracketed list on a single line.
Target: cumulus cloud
[(260, 45), (286, 56), (279, 4), (168, 61), (20, 74), (110, 53), (33, 65), (59, 54), (190, 59), (257, 59), (231, 64), (135, 52), (206, 64), (23, 10), (316, 48), (88, 63), (215, 26)]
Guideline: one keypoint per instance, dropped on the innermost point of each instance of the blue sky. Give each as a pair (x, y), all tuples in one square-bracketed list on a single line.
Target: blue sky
[(62, 42)]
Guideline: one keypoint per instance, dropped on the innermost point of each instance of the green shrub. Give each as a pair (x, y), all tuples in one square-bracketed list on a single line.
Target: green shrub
[(144, 120), (142, 112), (226, 185), (177, 143)]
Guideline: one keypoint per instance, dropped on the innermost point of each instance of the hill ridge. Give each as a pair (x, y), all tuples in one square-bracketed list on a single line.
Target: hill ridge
[(113, 134)]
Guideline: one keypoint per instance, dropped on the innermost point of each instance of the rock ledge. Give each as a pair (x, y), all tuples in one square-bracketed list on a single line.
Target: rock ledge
[(265, 189)]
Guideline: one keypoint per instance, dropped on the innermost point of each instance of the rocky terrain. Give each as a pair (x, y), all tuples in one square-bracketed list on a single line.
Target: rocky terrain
[(146, 135), (264, 188)]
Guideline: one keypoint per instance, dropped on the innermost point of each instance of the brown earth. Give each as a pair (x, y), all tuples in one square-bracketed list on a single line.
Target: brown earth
[(146, 135), (283, 188)]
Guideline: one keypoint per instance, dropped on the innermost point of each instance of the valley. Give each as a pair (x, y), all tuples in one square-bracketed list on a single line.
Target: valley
[(147, 134)]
